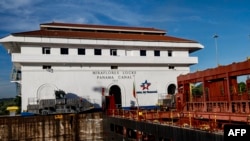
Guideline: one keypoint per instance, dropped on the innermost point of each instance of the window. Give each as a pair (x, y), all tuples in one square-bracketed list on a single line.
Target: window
[(157, 53), (64, 51), (46, 50), (170, 53), (114, 67), (113, 52), (81, 51), (98, 52), (171, 67), (142, 52), (45, 67)]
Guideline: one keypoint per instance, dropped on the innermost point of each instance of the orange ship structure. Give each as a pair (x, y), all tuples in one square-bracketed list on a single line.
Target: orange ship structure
[(214, 96), (205, 101)]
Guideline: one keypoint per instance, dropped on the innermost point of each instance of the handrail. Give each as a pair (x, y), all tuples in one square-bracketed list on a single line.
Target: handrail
[(214, 120)]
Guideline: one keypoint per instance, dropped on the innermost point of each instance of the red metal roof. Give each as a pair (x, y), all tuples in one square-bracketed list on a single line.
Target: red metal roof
[(103, 27), (99, 35), (82, 31)]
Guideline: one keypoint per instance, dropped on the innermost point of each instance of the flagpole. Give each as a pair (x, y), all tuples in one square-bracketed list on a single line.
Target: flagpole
[(135, 94), (137, 103)]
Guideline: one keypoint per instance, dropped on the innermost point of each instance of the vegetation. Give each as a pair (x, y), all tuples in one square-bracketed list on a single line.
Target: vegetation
[(197, 90), (242, 87), (4, 103)]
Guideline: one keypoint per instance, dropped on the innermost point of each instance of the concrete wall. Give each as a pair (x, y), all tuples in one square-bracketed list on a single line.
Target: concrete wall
[(86, 82), (54, 128)]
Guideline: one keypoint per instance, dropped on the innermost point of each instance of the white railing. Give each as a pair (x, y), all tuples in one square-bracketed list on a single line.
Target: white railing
[(32, 101)]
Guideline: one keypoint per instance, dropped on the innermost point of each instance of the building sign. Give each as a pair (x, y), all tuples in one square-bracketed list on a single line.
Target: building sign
[(145, 85), (145, 88), (114, 74)]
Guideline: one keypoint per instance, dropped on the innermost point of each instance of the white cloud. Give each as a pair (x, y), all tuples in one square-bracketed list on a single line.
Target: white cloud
[(17, 7), (17, 15), (28, 14), (117, 12), (14, 4), (98, 12)]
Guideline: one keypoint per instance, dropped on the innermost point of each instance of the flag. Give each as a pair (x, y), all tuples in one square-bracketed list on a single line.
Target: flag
[(134, 92)]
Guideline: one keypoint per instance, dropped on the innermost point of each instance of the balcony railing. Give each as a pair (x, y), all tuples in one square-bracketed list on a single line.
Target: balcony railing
[(16, 74)]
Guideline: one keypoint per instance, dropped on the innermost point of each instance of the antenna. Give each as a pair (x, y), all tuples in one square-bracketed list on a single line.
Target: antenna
[(216, 48), (9, 51)]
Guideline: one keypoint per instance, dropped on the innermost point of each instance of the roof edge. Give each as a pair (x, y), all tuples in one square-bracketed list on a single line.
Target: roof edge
[(101, 27)]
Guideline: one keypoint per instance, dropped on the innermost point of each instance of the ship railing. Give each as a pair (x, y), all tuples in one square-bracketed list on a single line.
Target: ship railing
[(237, 106), (141, 114), (234, 96), (207, 121), (16, 74), (211, 106), (45, 103), (60, 101), (73, 101), (32, 101)]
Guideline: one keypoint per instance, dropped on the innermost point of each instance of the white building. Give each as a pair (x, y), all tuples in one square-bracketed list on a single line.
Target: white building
[(81, 59)]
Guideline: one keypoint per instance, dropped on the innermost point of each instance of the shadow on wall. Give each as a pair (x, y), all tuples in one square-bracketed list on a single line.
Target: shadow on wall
[(84, 100), (71, 95)]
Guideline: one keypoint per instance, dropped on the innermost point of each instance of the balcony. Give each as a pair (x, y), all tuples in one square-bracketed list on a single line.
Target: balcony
[(67, 59), (15, 75)]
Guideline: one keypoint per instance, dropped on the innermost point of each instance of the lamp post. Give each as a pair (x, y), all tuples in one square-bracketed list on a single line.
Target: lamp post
[(248, 57), (216, 48)]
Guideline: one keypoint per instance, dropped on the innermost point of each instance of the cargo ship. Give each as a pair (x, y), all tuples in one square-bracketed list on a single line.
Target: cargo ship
[(205, 102), (216, 94)]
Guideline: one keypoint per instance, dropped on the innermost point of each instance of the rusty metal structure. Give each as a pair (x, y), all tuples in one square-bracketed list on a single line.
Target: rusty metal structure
[(205, 101), (220, 94)]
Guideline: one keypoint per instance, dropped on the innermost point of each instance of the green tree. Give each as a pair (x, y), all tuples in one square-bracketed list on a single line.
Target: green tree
[(197, 90), (4, 103), (242, 87)]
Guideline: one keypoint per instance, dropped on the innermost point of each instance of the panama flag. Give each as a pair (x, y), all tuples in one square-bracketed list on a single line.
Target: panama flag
[(134, 92)]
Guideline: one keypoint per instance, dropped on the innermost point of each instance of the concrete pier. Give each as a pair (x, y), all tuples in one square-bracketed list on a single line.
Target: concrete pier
[(66, 127)]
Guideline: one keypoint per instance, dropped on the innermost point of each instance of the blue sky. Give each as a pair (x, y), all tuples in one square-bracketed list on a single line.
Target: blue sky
[(191, 19)]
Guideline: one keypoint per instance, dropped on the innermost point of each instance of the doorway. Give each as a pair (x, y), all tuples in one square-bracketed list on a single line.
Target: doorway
[(116, 92), (171, 89)]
